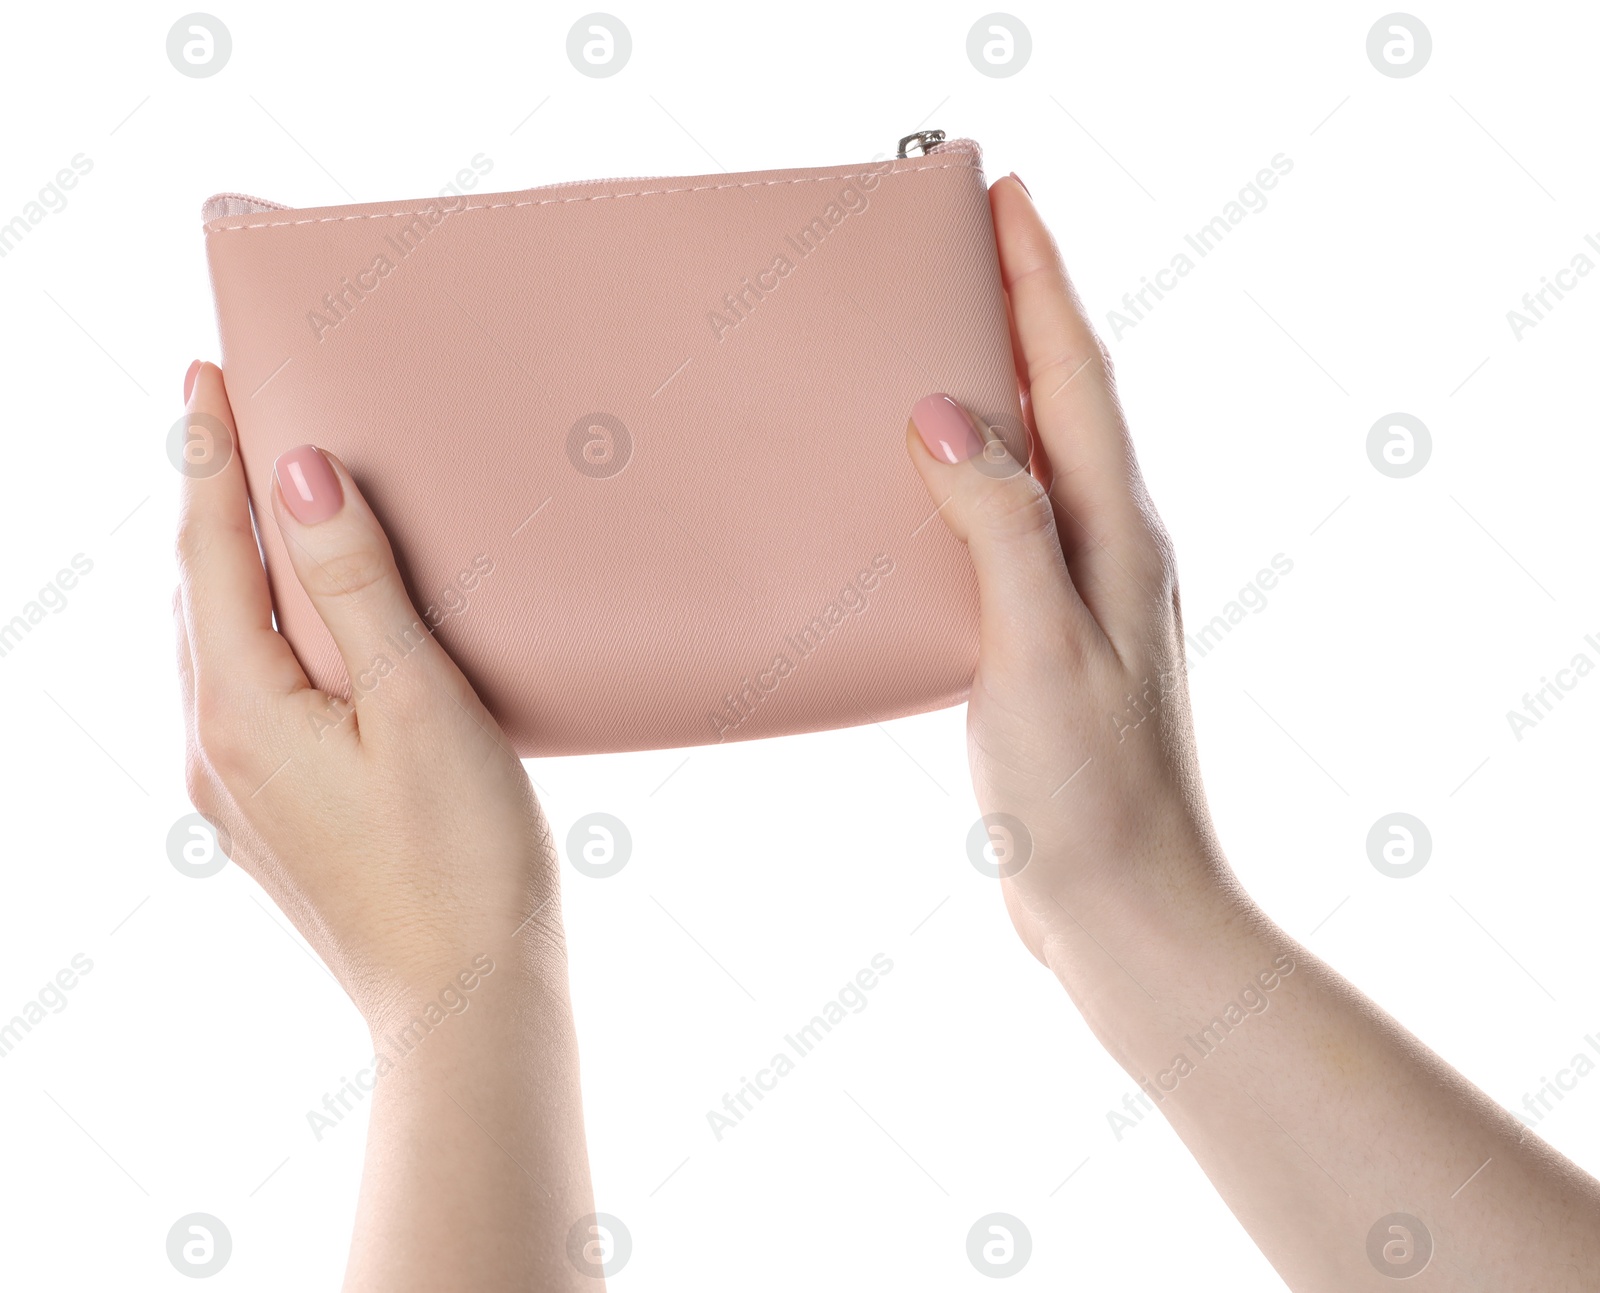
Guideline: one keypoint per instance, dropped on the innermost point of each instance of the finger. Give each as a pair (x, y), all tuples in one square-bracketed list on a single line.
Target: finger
[(1038, 460), (1003, 515), (196, 772), (347, 568), (185, 657), (225, 596), (193, 766), (1111, 536)]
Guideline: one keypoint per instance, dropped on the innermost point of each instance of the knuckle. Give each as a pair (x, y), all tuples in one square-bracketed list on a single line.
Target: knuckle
[(1164, 554), (215, 733), (350, 574), (197, 779), (189, 544), (1151, 575), (1154, 551), (1107, 363), (1018, 510), (225, 730)]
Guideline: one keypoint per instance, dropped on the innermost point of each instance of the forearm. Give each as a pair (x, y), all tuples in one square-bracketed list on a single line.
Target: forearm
[(1312, 1111), (476, 1168)]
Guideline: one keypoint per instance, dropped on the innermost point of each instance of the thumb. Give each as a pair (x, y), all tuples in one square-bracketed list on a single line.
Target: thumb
[(347, 568), (1001, 513)]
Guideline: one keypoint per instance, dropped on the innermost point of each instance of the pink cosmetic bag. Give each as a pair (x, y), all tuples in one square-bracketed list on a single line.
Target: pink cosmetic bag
[(639, 444)]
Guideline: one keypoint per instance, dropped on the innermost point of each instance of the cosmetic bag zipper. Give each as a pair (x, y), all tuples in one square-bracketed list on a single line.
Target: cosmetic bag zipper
[(925, 142)]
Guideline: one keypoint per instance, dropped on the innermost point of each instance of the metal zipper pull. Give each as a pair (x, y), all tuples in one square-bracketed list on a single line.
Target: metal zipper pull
[(924, 141)]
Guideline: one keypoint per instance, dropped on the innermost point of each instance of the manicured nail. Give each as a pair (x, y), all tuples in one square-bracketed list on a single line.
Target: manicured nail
[(188, 380), (945, 428), (1018, 179), (310, 488)]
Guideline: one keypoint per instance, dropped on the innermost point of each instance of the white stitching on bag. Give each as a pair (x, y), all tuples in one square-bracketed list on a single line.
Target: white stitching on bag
[(598, 197)]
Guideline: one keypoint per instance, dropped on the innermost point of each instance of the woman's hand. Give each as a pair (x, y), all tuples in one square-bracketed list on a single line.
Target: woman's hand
[(400, 835), (1352, 1154), (1078, 725)]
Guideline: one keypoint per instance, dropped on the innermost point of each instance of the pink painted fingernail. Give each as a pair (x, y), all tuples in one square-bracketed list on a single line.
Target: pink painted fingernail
[(310, 488), (1025, 188), (188, 380), (945, 429)]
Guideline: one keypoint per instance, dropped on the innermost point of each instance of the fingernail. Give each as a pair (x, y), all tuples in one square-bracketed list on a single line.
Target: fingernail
[(1025, 188), (311, 490), (945, 428), (188, 380)]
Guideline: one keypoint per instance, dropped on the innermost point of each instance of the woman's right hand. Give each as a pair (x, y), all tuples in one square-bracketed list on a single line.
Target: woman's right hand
[(1352, 1154), (1078, 725)]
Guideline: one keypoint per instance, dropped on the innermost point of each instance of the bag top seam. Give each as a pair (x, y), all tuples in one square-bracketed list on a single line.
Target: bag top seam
[(593, 197)]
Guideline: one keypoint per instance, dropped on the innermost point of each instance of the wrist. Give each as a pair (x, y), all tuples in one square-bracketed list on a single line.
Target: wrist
[(1148, 923), (484, 959), (495, 993), (431, 999)]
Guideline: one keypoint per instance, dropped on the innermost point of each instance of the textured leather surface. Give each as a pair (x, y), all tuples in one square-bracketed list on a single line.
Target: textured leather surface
[(766, 559)]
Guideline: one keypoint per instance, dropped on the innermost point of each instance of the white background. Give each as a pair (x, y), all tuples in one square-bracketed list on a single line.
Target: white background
[(1376, 680)]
